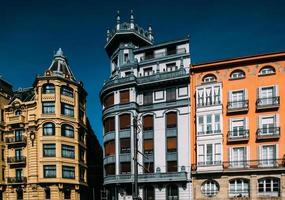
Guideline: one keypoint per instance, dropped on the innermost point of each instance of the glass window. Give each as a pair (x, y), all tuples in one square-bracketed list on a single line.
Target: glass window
[(125, 144), (148, 145), (82, 174), (269, 186), (108, 100), (48, 129), (267, 70), (110, 169), (19, 135), (171, 144), (109, 148), (81, 154), (268, 155), (172, 166), (171, 120), (67, 151), (47, 193), (171, 94), (239, 188), (67, 109), (125, 167), (68, 172), (18, 112), (148, 122), (148, 167), (48, 107), (238, 157), (209, 78), (125, 121), (237, 74), (49, 171), (109, 124), (125, 96), (48, 89), (210, 188), (67, 194), (67, 130), (147, 98), (171, 67), (148, 193), (66, 91), (172, 192), (147, 71), (49, 150)]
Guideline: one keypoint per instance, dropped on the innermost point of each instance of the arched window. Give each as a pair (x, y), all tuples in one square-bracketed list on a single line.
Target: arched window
[(66, 91), (267, 70), (48, 129), (148, 193), (172, 192), (67, 130), (125, 121), (239, 188), (108, 100), (269, 186), (18, 112), (48, 89), (148, 123), (210, 188), (209, 78), (237, 74)]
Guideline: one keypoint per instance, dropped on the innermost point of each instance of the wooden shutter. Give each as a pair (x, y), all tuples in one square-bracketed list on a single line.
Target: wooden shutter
[(124, 96), (125, 167), (125, 144), (171, 144), (109, 124), (110, 169), (110, 148), (109, 100), (171, 119), (172, 166), (148, 145), (125, 121), (148, 122)]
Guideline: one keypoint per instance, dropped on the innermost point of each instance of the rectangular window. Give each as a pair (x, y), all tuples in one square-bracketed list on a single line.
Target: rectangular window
[(125, 144), (125, 167), (209, 124), (170, 94), (68, 172), (126, 57), (109, 124), (67, 151), (110, 169), (67, 109), (148, 146), (217, 123), (201, 155), (171, 144), (148, 167), (125, 96), (217, 95), (200, 101), (18, 135), (238, 157), (48, 107), (109, 148), (82, 174), (66, 91), (148, 123), (147, 71), (238, 127), (209, 154), (171, 166), (109, 100), (125, 121), (81, 154), (218, 153), (209, 100), (268, 155), (149, 55), (268, 125), (200, 125), (147, 98), (49, 171), (49, 150), (171, 120), (171, 67)]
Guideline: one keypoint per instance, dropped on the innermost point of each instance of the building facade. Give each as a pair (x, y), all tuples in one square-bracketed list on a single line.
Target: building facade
[(45, 137), (236, 128), (148, 94)]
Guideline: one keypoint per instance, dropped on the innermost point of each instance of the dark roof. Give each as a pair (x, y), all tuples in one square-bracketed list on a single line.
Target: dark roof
[(25, 94)]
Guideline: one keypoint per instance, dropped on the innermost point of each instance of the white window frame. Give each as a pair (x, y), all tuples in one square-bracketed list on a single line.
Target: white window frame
[(244, 192), (267, 160), (240, 162)]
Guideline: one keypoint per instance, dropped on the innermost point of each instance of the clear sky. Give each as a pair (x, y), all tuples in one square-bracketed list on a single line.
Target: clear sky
[(31, 30)]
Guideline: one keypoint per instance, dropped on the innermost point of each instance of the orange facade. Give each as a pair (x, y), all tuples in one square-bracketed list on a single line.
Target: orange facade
[(250, 99)]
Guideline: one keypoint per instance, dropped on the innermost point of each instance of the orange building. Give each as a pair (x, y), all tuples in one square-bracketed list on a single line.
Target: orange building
[(238, 142)]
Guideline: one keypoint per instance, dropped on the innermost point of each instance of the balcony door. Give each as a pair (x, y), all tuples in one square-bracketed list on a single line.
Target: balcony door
[(267, 94), (238, 127), (238, 157), (268, 155), (18, 135), (237, 99), (18, 154), (268, 124), (19, 173)]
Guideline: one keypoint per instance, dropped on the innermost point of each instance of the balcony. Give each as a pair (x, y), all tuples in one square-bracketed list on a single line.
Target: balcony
[(17, 160), (147, 178), (17, 180), (18, 119), (109, 159), (209, 163), (268, 133), (267, 103), (164, 54), (22, 140), (237, 106), (238, 136), (264, 164)]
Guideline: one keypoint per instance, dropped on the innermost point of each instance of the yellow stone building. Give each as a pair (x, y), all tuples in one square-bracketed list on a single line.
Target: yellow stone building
[(45, 137)]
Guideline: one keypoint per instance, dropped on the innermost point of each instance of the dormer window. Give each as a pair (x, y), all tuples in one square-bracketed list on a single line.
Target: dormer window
[(267, 70), (209, 79), (237, 74)]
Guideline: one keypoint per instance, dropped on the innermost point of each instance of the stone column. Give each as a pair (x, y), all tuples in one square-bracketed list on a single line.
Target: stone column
[(253, 187)]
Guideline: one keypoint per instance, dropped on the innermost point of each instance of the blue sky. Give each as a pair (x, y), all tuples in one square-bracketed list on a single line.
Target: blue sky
[(31, 30)]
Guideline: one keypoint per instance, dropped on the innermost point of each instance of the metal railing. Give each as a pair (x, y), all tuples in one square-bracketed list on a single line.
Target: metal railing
[(234, 106), (17, 179), (269, 102), (270, 132), (16, 159), (18, 139), (209, 163), (238, 135)]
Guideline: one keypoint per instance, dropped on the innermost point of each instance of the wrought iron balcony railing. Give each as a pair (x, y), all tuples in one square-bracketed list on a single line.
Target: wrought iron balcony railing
[(237, 106), (16, 140), (268, 133), (240, 135), (269, 102), (17, 179), (16, 160)]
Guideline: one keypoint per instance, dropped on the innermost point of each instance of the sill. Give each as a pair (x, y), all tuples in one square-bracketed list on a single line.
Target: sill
[(238, 78), (261, 75)]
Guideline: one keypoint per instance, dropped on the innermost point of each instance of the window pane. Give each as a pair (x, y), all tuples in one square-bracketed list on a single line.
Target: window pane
[(124, 96), (125, 121)]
